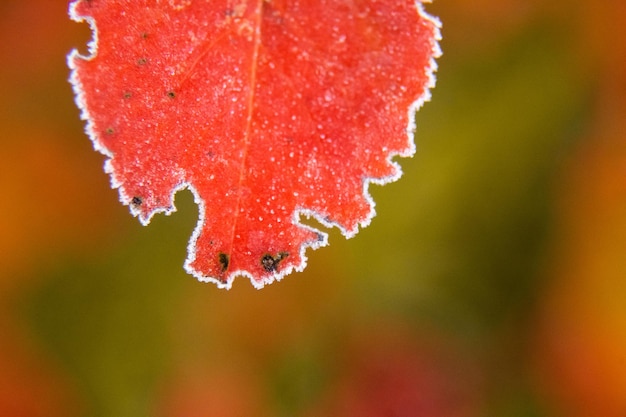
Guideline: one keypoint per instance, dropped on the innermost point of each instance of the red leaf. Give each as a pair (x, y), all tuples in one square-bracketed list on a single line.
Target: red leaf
[(266, 110)]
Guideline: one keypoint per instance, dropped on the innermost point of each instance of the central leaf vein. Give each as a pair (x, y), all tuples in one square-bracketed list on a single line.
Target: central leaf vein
[(258, 15)]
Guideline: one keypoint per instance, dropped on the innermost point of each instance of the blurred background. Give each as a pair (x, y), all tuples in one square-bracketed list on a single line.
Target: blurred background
[(491, 283)]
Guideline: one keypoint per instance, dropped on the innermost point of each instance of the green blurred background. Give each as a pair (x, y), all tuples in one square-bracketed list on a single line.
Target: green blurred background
[(491, 283)]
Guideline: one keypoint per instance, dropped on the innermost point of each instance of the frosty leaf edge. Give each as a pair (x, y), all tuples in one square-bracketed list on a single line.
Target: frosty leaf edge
[(322, 240)]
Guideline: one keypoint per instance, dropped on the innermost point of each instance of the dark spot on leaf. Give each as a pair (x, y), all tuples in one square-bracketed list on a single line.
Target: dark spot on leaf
[(136, 201), (224, 261), (142, 61), (171, 94), (270, 263)]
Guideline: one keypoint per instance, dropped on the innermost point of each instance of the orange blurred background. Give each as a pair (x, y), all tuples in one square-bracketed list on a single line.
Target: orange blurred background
[(492, 281)]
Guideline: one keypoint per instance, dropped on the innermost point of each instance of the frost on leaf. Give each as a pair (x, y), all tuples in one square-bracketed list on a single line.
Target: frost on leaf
[(267, 110)]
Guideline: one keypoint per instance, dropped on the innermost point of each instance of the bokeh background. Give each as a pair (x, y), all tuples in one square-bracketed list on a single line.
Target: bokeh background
[(491, 283)]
